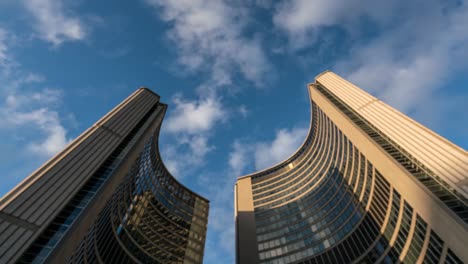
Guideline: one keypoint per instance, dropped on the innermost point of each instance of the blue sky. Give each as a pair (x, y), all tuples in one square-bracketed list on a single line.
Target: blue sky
[(234, 74)]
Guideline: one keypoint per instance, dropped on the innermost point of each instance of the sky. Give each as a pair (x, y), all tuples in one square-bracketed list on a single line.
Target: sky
[(234, 74)]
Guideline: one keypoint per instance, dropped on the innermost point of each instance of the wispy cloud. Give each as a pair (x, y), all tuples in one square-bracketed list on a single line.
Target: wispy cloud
[(303, 21), (195, 116), (245, 155), (221, 232), (24, 109), (210, 38), (300, 18), (190, 126), (239, 157), (186, 154), (284, 145), (412, 48), (406, 66), (47, 122), (55, 22), (27, 109), (3, 47)]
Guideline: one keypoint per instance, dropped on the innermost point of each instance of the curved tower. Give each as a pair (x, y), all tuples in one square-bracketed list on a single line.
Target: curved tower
[(106, 198), (368, 185)]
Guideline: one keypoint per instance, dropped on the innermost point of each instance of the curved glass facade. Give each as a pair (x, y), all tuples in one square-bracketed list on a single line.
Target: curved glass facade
[(106, 198), (329, 203), (151, 219)]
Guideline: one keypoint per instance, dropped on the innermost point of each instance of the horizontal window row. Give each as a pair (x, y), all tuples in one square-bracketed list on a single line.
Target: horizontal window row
[(447, 194), (293, 171)]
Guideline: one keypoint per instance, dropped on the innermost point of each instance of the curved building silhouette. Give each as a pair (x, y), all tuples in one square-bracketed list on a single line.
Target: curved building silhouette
[(106, 198), (368, 185)]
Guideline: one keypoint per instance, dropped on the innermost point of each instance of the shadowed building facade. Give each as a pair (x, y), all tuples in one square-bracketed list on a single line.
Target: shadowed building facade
[(368, 185), (106, 198)]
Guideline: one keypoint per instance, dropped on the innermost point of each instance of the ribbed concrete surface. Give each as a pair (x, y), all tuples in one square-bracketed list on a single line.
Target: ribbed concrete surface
[(33, 203), (445, 159)]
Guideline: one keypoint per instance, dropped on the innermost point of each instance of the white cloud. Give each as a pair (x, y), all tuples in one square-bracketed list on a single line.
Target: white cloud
[(186, 153), (195, 116), (244, 155), (222, 221), (221, 230), (284, 145), (298, 16), (243, 111), (247, 154), (408, 66), (301, 19), (209, 36), (48, 123), (3, 47), (30, 111), (190, 125), (27, 111), (54, 22), (415, 48), (240, 158)]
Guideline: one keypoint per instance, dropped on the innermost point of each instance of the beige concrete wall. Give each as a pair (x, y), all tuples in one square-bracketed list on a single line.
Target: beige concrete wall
[(443, 221), (90, 214), (444, 158), (29, 208), (246, 238), (437, 153)]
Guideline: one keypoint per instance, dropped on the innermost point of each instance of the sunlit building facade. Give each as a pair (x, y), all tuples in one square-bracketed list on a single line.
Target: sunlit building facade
[(106, 198), (368, 185)]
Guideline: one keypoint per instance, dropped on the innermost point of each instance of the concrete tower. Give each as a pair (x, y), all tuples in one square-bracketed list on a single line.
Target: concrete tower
[(106, 198), (368, 185)]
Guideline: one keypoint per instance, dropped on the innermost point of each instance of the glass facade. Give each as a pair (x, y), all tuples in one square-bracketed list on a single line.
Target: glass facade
[(107, 198), (150, 219), (328, 203)]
